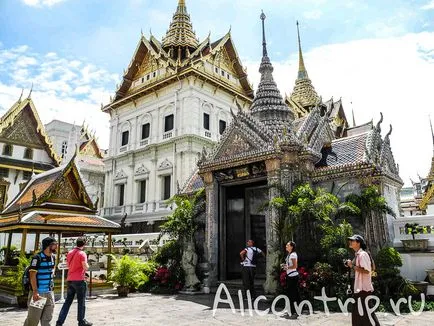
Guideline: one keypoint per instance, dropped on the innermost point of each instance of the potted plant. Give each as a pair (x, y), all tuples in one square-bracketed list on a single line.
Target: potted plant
[(127, 273), (415, 244), (14, 278)]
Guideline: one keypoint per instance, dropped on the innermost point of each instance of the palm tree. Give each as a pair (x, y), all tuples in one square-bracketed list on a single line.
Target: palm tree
[(304, 213), (373, 209)]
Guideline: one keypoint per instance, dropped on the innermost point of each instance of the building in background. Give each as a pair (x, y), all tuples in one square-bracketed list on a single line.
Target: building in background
[(25, 149), (175, 99), (71, 138)]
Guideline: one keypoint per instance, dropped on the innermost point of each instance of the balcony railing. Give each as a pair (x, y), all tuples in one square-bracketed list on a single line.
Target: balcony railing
[(208, 134), (167, 135), (123, 148), (144, 142)]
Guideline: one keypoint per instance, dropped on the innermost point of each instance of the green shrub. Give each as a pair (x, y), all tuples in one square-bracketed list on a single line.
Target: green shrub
[(171, 251), (389, 284), (128, 271)]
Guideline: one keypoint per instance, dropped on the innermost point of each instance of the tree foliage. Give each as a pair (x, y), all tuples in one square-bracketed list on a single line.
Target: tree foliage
[(183, 224)]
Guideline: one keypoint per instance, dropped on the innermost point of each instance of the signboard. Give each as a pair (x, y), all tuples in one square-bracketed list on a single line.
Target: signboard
[(94, 268), (62, 266)]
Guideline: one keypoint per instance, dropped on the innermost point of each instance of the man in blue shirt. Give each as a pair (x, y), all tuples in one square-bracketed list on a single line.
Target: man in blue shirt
[(41, 280)]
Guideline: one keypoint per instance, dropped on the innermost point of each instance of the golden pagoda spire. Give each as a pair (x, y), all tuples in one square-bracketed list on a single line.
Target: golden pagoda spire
[(180, 33), (304, 93), (302, 72)]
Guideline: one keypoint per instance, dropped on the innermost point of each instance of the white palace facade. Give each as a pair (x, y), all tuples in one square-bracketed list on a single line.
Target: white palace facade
[(174, 101)]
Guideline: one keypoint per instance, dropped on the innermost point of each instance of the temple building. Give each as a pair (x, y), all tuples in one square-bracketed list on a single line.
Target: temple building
[(185, 116), (69, 140), (25, 149), (419, 198), (174, 100), (285, 142)]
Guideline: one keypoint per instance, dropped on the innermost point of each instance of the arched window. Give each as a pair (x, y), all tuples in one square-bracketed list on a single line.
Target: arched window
[(28, 153), (7, 150)]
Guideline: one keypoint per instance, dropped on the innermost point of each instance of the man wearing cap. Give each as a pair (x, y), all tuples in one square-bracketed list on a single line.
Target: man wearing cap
[(41, 273), (77, 267), (362, 267)]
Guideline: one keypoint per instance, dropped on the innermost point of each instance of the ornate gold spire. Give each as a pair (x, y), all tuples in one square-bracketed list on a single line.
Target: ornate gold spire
[(304, 93), (180, 33)]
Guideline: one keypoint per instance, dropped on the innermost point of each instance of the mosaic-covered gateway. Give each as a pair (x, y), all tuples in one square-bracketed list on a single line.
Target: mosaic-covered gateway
[(300, 139)]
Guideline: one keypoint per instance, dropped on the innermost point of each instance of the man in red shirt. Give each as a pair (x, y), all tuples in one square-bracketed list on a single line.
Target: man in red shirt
[(77, 267)]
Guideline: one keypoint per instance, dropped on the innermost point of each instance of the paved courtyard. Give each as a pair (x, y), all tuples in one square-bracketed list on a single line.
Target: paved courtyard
[(146, 309)]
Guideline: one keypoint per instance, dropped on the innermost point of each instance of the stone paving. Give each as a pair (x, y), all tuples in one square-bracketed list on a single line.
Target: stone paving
[(146, 309)]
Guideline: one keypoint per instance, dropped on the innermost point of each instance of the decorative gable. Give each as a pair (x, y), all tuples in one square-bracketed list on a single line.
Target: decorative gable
[(235, 145), (120, 174), (244, 136), (223, 60), (142, 170), (149, 64), (21, 125), (90, 148), (165, 165), (64, 192), (23, 131)]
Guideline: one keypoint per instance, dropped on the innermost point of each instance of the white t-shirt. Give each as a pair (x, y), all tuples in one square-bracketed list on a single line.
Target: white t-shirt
[(249, 256), (291, 271)]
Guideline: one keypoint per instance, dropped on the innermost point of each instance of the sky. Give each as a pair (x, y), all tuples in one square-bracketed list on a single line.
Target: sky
[(378, 56)]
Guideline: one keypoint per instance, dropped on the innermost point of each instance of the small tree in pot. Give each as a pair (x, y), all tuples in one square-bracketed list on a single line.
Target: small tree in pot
[(127, 273), (415, 244)]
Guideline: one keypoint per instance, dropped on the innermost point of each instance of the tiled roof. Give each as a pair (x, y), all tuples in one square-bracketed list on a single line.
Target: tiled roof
[(193, 184), (60, 219), (348, 150), (38, 185)]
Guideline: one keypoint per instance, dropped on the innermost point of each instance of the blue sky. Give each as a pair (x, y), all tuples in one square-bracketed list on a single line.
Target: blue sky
[(376, 55)]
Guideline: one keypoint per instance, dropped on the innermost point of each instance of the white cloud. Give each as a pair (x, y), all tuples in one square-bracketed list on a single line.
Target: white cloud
[(428, 6), (69, 90), (41, 3), (313, 14), (392, 75)]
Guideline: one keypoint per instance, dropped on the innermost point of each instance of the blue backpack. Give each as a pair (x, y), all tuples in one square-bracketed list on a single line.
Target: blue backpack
[(25, 281)]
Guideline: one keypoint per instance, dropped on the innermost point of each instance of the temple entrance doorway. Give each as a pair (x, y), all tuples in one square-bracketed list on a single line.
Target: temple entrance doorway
[(241, 219)]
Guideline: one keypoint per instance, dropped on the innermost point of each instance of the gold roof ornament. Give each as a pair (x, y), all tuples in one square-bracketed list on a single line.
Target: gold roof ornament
[(304, 93), (180, 33)]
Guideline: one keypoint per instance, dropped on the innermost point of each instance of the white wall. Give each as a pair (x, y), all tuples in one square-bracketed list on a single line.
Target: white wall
[(180, 147), (415, 264)]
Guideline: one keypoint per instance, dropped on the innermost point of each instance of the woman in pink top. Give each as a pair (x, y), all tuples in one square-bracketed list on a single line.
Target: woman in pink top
[(362, 282)]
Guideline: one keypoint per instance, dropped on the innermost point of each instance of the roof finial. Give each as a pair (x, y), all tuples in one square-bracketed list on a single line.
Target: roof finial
[(264, 43), (30, 93), (22, 91), (302, 73), (354, 119), (432, 134)]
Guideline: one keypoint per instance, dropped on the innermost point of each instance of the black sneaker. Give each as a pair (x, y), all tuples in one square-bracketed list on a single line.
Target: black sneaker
[(85, 323)]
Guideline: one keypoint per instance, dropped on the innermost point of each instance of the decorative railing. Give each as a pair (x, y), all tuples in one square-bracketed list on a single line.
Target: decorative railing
[(208, 134), (123, 148), (144, 142), (167, 135)]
